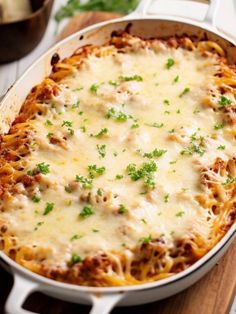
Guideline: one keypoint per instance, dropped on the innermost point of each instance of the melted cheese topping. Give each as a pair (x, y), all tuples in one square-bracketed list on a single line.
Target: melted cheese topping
[(163, 111)]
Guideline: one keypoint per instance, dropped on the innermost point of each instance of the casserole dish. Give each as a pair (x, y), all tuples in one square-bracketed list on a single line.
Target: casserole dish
[(104, 299)]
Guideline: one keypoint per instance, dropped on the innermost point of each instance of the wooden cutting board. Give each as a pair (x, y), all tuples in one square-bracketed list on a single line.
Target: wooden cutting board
[(213, 294)]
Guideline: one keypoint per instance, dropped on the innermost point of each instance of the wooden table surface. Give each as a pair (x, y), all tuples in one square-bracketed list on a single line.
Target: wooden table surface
[(213, 294)]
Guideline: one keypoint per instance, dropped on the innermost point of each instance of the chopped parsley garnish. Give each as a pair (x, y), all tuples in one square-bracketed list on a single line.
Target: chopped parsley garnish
[(155, 125), (95, 171), (180, 213), (36, 199), (86, 183), (145, 172), (48, 208), (94, 88), (101, 133), (170, 62), (224, 101), (178, 111), (185, 91), (68, 189), (219, 126), (78, 89), (135, 126), (146, 239), (99, 192), (43, 168), (122, 209), (119, 176), (229, 180), (83, 129), (221, 147), (113, 83), (76, 105), (131, 78), (50, 134), (196, 111), (117, 115), (155, 153), (75, 259), (166, 198), (176, 79), (101, 150), (48, 122), (171, 131), (166, 102), (95, 230), (86, 212), (173, 162), (76, 237), (193, 148), (67, 123), (144, 221), (166, 112)]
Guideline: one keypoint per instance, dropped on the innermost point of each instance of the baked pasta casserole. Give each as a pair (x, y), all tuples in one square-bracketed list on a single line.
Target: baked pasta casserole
[(120, 167)]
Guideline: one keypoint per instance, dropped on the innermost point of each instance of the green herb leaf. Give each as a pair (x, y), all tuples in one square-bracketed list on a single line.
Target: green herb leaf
[(155, 153), (86, 183), (76, 237), (155, 125), (224, 101), (86, 212), (116, 115), (48, 123), (101, 150), (75, 259), (170, 62), (146, 239), (221, 147), (131, 78), (48, 208), (94, 88), (99, 192), (101, 133), (166, 198), (36, 199), (180, 213), (229, 180), (176, 79), (122, 209), (219, 126), (67, 123), (185, 91), (95, 171), (43, 168)]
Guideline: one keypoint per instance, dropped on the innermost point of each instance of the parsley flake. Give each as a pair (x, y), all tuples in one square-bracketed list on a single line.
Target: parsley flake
[(48, 208), (95, 171), (43, 168), (170, 62), (86, 212), (135, 77), (185, 91), (224, 101), (180, 213), (101, 150), (146, 239), (86, 183)]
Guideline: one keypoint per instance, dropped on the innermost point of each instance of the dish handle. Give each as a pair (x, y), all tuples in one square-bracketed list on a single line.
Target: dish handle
[(103, 304), (175, 7), (21, 289)]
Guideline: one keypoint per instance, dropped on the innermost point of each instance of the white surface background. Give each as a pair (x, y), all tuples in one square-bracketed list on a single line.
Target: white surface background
[(226, 22)]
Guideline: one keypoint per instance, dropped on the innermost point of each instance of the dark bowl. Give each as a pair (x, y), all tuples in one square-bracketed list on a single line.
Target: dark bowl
[(18, 38)]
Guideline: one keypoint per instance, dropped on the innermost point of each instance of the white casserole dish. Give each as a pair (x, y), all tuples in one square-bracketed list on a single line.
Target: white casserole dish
[(104, 299)]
